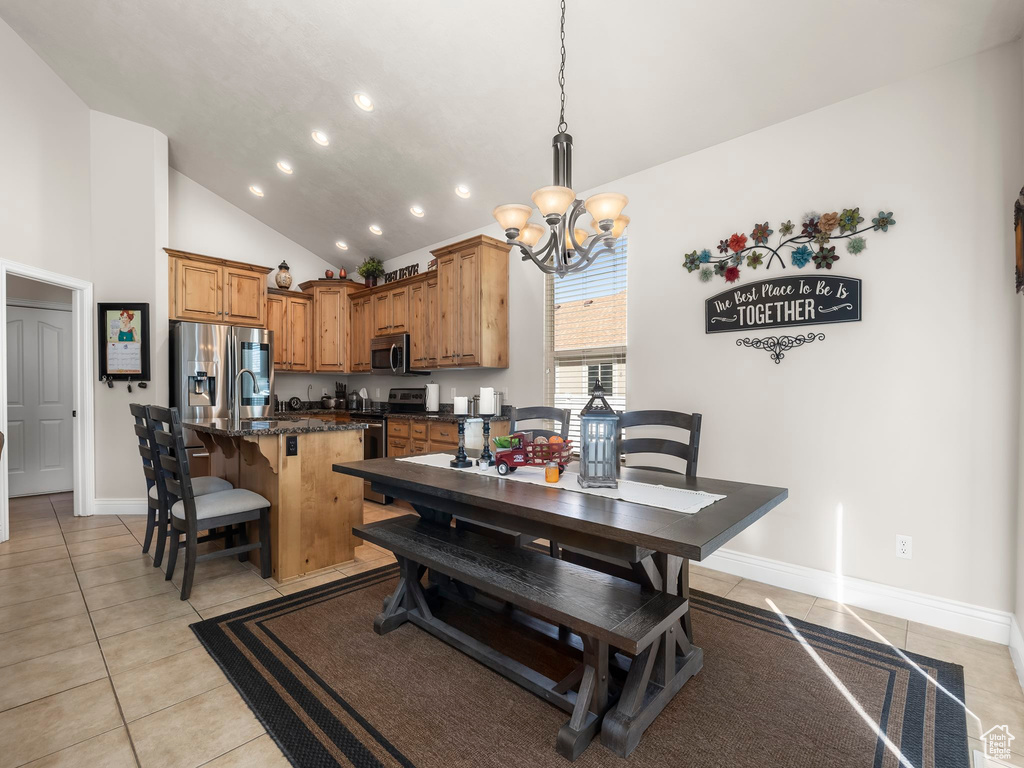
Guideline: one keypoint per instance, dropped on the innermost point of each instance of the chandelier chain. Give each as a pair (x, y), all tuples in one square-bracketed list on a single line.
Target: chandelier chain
[(561, 75)]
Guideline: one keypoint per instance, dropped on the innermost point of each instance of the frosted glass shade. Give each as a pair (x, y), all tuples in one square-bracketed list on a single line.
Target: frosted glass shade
[(581, 236), (553, 201), (607, 205), (512, 216), (531, 234), (621, 222)]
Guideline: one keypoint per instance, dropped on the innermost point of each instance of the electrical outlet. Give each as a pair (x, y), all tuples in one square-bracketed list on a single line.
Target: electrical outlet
[(904, 547)]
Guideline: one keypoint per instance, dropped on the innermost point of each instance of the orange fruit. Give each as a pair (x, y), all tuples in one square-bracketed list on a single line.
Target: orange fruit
[(555, 439)]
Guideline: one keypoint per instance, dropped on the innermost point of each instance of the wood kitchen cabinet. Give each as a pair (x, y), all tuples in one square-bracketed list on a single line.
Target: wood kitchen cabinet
[(361, 312), (290, 317), (409, 437), (208, 290), (391, 311), (330, 323), (473, 303), (423, 324)]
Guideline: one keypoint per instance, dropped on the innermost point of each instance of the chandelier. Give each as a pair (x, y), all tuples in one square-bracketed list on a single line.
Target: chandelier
[(568, 248)]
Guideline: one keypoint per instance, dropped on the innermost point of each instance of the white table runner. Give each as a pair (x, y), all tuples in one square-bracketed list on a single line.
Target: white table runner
[(676, 499)]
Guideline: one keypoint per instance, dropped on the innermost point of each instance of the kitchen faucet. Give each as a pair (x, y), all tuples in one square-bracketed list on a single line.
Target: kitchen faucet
[(236, 406)]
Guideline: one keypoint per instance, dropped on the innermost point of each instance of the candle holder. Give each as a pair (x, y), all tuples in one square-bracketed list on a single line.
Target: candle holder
[(486, 457), (461, 460)]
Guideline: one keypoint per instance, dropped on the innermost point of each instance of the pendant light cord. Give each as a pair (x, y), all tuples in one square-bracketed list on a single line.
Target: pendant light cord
[(561, 76)]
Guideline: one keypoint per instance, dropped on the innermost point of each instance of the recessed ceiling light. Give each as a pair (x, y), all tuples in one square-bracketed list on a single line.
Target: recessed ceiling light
[(462, 191), (417, 211), (364, 102), (376, 230), (342, 245), (321, 138), (256, 190), (285, 167)]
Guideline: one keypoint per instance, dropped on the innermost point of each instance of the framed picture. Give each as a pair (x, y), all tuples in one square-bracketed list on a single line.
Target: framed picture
[(1018, 239), (123, 332)]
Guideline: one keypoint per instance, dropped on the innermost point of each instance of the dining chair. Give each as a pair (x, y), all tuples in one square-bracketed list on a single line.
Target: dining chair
[(191, 513), (687, 451), (542, 413), (157, 515)]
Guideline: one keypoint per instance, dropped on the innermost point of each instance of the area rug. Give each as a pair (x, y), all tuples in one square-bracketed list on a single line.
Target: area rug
[(332, 693)]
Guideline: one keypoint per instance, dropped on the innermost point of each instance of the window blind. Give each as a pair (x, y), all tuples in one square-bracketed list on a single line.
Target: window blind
[(585, 335)]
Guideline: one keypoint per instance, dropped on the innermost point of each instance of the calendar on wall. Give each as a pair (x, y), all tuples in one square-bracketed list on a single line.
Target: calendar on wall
[(123, 331)]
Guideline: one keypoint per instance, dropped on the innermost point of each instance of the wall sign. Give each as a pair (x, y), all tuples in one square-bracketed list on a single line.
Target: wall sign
[(782, 302), (398, 274)]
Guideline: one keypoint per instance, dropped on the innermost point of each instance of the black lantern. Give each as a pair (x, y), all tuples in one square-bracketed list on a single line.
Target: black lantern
[(599, 442)]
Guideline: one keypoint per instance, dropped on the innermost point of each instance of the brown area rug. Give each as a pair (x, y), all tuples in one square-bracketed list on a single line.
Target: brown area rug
[(333, 693)]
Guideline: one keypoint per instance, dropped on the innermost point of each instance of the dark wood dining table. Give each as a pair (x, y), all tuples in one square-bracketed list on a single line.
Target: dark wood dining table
[(653, 543)]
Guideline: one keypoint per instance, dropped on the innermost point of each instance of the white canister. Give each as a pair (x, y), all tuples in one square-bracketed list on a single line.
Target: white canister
[(433, 397)]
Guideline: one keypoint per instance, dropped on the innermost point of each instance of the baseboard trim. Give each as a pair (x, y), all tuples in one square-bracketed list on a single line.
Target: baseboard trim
[(973, 620), (119, 507), (1017, 648)]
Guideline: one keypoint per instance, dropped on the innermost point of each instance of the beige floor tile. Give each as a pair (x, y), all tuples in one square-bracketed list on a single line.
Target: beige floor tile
[(357, 568), (42, 639), (72, 524), (27, 505), (711, 586), (26, 545), (140, 613), (208, 569), (102, 545), (45, 555), (126, 519), (141, 565), (28, 732), (234, 605), (985, 646), (21, 615), (262, 752), (711, 573), (110, 557), (991, 709), (33, 590), (147, 644), (110, 750), (313, 581), (982, 670), (195, 731), (28, 573), (119, 592), (844, 622), (152, 687), (864, 613), (221, 590), (367, 553), (754, 593), (92, 534), (34, 529), (46, 675)]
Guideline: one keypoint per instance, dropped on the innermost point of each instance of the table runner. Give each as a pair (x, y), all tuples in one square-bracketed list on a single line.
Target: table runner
[(663, 496)]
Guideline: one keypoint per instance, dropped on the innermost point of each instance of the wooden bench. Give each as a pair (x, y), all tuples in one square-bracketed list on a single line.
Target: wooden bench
[(604, 610)]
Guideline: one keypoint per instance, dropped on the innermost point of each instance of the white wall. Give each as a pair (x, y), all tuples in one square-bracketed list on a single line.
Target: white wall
[(33, 290), (44, 185)]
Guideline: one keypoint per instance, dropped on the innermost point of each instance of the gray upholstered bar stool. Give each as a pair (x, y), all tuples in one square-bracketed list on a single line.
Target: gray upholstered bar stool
[(157, 513), (229, 510)]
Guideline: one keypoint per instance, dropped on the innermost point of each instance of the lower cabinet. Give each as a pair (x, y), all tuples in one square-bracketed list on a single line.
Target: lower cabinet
[(409, 437)]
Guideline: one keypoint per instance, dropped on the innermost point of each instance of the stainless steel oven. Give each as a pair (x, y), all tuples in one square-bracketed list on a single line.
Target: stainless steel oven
[(390, 355), (374, 447)]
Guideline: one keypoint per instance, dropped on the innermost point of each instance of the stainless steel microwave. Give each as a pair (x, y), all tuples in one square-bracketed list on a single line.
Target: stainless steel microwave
[(390, 355)]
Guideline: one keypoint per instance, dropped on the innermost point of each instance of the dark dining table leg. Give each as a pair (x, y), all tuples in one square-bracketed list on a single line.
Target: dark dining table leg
[(656, 674)]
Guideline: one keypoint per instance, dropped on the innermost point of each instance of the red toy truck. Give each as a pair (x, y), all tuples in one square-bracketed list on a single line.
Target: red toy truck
[(531, 454)]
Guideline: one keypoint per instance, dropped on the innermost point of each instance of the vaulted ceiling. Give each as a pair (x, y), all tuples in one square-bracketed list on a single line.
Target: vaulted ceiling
[(465, 91)]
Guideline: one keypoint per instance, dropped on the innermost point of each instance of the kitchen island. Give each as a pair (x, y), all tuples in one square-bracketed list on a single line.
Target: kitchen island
[(288, 460)]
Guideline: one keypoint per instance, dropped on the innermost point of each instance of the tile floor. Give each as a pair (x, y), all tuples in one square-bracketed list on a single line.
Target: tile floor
[(98, 665)]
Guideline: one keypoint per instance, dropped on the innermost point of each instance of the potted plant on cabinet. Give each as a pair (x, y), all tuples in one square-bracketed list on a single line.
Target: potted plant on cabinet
[(370, 270)]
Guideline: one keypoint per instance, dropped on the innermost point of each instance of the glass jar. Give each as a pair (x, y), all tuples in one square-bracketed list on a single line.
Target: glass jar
[(551, 473)]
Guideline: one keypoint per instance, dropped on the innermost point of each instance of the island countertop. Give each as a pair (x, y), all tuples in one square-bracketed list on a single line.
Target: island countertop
[(280, 425)]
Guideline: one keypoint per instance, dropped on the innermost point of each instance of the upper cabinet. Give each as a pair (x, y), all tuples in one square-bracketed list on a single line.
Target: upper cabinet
[(423, 321), (208, 290), (391, 311), (330, 324), (290, 317), (472, 302), (360, 332)]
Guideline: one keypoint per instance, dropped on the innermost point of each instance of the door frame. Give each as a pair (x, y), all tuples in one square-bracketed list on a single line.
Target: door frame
[(83, 387)]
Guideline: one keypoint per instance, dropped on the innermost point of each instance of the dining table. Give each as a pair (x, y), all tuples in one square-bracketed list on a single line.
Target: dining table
[(531, 528)]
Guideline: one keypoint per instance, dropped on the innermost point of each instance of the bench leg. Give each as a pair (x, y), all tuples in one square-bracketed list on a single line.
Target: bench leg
[(591, 701), (408, 596)]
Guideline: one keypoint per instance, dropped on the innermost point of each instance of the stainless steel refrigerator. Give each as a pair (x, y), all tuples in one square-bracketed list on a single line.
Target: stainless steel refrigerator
[(205, 361)]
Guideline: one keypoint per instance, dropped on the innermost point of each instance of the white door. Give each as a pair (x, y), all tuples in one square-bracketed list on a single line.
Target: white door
[(39, 428)]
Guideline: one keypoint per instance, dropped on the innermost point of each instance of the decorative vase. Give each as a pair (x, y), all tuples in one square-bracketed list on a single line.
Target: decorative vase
[(283, 278), (370, 281), (329, 273), (342, 274)]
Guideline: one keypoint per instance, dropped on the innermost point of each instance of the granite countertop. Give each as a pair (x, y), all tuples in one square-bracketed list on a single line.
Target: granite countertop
[(445, 417), (278, 425)]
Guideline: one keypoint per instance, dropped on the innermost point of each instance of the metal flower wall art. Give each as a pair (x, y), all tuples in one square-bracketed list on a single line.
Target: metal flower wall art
[(816, 245)]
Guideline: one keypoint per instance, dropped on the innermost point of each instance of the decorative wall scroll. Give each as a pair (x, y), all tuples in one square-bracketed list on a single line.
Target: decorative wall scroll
[(123, 332), (778, 346), (815, 245), (781, 302)]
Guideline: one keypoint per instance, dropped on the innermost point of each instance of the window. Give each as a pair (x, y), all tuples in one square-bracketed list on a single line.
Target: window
[(585, 335)]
